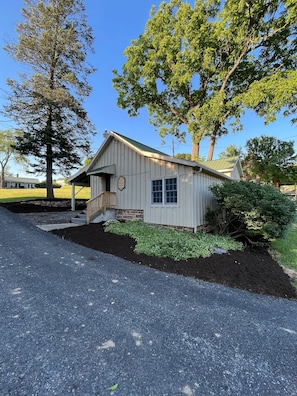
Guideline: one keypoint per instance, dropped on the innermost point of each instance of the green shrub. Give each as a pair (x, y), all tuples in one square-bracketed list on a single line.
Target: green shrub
[(247, 209), (43, 185)]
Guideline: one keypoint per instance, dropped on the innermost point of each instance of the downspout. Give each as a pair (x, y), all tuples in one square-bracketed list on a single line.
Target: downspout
[(194, 197)]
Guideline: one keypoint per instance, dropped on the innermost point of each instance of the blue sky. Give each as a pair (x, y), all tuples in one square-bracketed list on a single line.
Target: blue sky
[(115, 24)]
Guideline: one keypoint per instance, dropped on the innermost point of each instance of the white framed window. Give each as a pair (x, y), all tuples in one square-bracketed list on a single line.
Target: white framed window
[(164, 191)]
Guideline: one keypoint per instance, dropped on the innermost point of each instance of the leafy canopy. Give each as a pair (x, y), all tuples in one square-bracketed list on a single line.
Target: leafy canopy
[(47, 102), (271, 160), (7, 153), (231, 151), (195, 68)]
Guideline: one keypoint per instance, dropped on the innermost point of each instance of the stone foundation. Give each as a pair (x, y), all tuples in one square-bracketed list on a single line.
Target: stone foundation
[(172, 227), (129, 214)]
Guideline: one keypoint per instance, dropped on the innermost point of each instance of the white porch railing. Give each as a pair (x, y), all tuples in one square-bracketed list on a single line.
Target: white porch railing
[(100, 203)]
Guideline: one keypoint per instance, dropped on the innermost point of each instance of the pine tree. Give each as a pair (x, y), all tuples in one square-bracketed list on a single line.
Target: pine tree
[(47, 102)]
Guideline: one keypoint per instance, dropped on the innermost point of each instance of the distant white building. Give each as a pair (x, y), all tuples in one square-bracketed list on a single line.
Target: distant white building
[(20, 182)]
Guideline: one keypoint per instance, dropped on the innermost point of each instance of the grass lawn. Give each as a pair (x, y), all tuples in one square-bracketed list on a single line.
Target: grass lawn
[(285, 249), (21, 194)]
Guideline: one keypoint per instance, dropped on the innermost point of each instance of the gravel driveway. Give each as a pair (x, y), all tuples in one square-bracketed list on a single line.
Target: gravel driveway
[(76, 322)]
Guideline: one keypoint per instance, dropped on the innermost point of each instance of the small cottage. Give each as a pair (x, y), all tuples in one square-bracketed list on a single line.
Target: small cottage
[(135, 181)]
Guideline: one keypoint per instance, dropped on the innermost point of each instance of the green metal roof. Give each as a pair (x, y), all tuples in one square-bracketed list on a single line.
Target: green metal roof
[(140, 146), (221, 164)]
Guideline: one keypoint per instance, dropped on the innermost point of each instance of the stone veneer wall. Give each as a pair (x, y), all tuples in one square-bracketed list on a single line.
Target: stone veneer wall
[(129, 214), (178, 228)]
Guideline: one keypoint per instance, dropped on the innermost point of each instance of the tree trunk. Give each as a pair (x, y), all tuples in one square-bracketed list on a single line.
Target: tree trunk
[(2, 177), (195, 151), (211, 147), (49, 172)]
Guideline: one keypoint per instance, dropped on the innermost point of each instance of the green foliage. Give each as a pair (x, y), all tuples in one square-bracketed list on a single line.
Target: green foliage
[(285, 249), (188, 157), (43, 185), (231, 151), (271, 160), (53, 42), (7, 152), (178, 245), (195, 68), (250, 210)]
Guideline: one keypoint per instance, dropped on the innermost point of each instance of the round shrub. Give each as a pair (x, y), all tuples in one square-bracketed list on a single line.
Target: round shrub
[(247, 209)]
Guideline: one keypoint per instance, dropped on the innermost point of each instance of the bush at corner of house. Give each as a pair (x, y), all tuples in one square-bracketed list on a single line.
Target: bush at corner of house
[(247, 209)]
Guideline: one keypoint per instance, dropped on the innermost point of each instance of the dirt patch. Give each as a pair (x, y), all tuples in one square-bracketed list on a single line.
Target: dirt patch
[(252, 269)]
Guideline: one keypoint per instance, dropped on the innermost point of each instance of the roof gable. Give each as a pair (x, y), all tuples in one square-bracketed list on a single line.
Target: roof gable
[(144, 150), (139, 146)]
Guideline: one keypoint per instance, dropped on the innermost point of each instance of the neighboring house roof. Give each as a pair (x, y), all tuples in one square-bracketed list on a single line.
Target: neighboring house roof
[(13, 179), (222, 164), (225, 165), (142, 149)]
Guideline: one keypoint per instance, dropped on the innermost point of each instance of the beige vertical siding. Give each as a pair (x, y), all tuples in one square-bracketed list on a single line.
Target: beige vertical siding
[(180, 214), (139, 171), (203, 196), (235, 174)]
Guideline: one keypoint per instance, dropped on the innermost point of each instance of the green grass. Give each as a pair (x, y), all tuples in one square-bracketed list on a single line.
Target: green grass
[(12, 195), (162, 242), (284, 250)]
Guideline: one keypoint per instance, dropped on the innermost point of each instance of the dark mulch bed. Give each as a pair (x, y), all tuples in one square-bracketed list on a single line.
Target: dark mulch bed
[(252, 269), (45, 205)]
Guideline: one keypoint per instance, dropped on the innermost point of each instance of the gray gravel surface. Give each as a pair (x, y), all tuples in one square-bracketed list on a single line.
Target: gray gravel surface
[(76, 321)]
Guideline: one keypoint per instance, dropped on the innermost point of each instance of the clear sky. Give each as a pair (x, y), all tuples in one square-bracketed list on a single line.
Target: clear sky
[(115, 24)]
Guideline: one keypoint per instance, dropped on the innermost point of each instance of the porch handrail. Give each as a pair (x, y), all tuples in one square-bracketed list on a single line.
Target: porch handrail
[(101, 202)]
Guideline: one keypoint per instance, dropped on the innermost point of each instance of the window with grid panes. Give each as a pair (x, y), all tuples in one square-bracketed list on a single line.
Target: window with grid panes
[(164, 191), (171, 191), (157, 191)]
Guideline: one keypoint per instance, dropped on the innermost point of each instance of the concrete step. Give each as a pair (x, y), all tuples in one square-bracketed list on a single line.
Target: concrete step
[(81, 218), (109, 215)]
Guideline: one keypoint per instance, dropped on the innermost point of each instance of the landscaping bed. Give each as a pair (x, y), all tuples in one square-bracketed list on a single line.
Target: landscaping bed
[(252, 269)]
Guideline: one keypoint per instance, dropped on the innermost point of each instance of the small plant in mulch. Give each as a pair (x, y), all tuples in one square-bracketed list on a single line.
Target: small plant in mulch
[(178, 245)]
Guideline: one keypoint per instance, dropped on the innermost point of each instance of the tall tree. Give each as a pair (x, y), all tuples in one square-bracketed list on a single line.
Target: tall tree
[(7, 153), (192, 68), (231, 151), (47, 103), (271, 160)]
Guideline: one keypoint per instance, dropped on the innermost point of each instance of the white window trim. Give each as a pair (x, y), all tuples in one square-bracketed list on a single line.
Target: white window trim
[(163, 203)]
